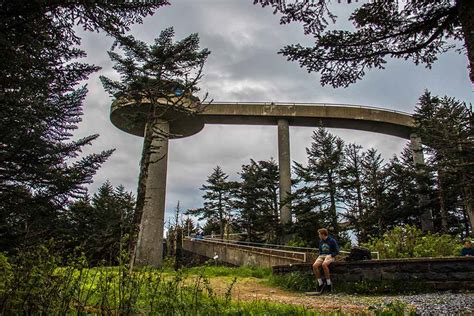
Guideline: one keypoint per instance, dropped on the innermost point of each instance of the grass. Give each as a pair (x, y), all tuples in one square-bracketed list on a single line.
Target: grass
[(240, 272), (38, 283)]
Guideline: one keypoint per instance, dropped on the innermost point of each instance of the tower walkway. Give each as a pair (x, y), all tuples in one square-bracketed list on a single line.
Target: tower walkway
[(253, 254)]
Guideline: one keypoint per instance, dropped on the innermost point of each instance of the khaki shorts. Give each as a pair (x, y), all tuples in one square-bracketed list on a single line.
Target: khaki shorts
[(325, 258)]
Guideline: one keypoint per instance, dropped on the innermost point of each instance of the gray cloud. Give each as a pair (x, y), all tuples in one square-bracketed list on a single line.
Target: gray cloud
[(244, 66)]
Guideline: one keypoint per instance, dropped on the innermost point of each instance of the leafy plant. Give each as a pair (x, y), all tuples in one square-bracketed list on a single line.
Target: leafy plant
[(408, 242)]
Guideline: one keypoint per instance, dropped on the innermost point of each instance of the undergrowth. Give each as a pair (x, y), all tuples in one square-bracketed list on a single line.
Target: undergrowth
[(36, 282)]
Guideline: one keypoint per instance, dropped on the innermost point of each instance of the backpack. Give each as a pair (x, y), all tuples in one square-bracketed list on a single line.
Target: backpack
[(359, 253)]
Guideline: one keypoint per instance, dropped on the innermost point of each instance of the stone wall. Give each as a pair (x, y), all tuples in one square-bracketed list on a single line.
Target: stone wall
[(454, 273)]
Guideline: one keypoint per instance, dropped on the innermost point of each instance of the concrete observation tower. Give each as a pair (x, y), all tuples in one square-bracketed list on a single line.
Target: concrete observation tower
[(168, 124)]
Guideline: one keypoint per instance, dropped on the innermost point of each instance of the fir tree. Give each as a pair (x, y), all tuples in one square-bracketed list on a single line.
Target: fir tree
[(256, 201), (402, 206), (351, 183), (374, 189), (162, 75), (41, 104), (445, 127), (321, 191), (217, 200), (416, 30), (101, 225)]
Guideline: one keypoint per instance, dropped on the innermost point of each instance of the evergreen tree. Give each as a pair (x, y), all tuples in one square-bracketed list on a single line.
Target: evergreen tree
[(102, 224), (159, 76), (217, 200), (351, 183), (210, 227), (41, 105), (445, 127), (189, 227), (374, 193), (268, 173), (256, 201), (321, 191), (417, 30), (402, 206)]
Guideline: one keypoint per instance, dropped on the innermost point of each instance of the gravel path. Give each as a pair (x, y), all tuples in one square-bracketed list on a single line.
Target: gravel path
[(433, 304), (440, 303)]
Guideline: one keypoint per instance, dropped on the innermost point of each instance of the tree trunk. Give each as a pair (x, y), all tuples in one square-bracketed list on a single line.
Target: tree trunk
[(466, 185), (145, 161), (426, 217), (465, 222), (442, 207), (332, 195), (221, 217), (466, 17)]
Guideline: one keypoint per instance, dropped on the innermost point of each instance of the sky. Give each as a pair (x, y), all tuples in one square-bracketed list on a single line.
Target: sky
[(244, 66)]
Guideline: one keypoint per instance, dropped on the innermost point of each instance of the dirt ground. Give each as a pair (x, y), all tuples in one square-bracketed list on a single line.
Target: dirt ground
[(248, 289)]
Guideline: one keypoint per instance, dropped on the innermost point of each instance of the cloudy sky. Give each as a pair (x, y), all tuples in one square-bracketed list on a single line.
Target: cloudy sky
[(244, 66)]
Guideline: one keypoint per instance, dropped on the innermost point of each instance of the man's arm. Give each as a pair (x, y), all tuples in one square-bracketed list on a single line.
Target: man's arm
[(334, 248)]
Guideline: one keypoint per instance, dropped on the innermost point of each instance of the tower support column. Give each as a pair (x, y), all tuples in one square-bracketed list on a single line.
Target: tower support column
[(284, 169), (150, 238)]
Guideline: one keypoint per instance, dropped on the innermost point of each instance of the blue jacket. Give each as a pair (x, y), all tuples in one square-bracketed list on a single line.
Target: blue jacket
[(328, 247), (467, 252)]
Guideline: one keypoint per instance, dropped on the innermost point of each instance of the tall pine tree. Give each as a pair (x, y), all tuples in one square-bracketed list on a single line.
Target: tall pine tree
[(374, 191), (445, 126), (41, 169), (161, 77), (256, 201), (101, 225), (217, 201), (321, 191), (351, 183)]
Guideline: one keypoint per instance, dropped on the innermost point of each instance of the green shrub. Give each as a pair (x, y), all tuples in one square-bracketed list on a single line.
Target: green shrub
[(408, 242)]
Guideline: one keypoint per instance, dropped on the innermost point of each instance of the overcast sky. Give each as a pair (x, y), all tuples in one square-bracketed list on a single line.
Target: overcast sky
[(244, 66)]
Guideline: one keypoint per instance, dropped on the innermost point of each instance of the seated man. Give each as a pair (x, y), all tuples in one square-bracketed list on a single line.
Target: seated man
[(467, 250), (328, 249)]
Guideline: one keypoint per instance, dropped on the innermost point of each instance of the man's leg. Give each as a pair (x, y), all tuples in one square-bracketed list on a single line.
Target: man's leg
[(316, 266), (327, 261)]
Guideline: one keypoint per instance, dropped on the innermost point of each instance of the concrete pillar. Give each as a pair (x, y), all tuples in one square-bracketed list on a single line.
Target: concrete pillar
[(150, 238), (285, 169), (417, 151)]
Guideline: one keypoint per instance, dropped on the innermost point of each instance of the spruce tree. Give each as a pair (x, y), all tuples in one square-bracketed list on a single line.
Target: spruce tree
[(351, 183), (416, 30), (402, 206), (374, 192), (256, 201), (445, 127), (321, 189), (161, 75), (217, 201), (102, 224), (41, 104)]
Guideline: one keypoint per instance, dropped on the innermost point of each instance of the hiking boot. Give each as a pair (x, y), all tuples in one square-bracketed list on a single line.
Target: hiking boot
[(328, 288)]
